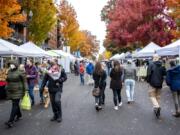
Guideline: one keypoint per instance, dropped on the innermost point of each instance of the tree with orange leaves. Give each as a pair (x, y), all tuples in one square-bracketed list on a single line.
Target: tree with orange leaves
[(174, 12), (82, 41), (9, 13)]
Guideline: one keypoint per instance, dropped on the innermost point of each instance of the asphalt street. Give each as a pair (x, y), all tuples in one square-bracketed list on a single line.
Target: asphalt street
[(81, 118)]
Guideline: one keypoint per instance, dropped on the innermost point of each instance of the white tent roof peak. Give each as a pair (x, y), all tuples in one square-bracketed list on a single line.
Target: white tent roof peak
[(34, 48), (148, 51), (118, 56), (151, 47), (8, 48)]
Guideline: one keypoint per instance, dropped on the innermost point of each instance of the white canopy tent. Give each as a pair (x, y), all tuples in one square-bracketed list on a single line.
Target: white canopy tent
[(148, 51), (64, 54), (53, 54), (115, 57), (64, 60), (170, 50), (8, 48), (37, 51), (118, 56)]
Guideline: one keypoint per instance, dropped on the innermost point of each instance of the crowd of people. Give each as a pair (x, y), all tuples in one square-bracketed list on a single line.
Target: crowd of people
[(50, 75), (155, 72), (22, 78)]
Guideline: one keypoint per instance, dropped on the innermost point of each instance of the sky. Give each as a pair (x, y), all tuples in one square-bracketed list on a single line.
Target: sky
[(88, 16)]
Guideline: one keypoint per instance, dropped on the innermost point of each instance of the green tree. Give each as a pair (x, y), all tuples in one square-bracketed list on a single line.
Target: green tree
[(43, 19)]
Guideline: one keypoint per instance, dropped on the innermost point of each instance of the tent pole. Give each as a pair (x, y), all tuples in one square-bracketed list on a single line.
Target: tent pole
[(11, 57), (2, 62)]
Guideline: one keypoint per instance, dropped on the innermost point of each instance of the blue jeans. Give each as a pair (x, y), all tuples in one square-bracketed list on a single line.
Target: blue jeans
[(130, 84), (101, 98), (82, 78), (40, 94), (31, 92)]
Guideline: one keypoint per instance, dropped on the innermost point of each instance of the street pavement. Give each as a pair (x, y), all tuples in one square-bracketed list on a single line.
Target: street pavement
[(81, 118)]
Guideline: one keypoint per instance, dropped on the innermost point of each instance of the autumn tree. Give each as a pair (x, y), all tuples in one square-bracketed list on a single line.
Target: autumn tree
[(9, 13), (91, 44), (173, 6), (69, 23), (78, 40), (107, 9), (107, 54), (138, 22), (43, 19)]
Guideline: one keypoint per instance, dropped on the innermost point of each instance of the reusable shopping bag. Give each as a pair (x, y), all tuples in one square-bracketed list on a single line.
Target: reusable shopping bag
[(26, 103)]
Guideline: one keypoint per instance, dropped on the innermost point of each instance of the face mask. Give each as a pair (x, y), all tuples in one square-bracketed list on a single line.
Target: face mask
[(12, 66)]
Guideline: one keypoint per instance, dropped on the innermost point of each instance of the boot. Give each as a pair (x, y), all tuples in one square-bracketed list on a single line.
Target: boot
[(176, 114), (59, 120), (54, 118), (9, 124)]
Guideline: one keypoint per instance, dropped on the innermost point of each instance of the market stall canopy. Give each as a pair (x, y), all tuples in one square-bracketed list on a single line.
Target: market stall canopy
[(148, 51), (8, 48), (64, 54), (118, 56), (170, 50), (37, 51), (115, 57), (53, 54)]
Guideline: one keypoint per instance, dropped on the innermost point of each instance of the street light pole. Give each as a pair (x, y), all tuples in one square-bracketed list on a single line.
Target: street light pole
[(25, 31)]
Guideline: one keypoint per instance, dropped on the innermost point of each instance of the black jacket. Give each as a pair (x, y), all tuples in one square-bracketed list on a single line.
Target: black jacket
[(54, 85), (155, 74), (116, 79), (100, 80)]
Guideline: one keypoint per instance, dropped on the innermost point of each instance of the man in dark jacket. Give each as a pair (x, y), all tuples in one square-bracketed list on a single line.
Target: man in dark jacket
[(55, 78), (155, 77), (173, 80)]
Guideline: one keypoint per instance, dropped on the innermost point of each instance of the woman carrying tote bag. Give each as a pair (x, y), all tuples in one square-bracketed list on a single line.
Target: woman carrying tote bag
[(99, 77)]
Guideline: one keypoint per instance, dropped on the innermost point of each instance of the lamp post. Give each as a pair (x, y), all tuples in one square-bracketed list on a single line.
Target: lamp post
[(25, 31)]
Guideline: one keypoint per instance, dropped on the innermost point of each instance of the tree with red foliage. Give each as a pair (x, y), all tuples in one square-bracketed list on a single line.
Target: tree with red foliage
[(139, 21)]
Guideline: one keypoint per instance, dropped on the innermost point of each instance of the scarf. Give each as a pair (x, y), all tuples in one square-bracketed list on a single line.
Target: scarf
[(54, 72)]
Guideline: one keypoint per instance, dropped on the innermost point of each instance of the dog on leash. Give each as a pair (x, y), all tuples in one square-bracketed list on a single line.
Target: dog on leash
[(46, 97)]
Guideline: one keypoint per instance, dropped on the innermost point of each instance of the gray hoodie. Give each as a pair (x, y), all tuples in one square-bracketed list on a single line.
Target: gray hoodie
[(129, 72)]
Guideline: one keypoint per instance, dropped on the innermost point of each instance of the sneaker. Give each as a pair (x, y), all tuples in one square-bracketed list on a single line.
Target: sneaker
[(96, 107), (120, 104), (99, 107), (116, 108), (59, 120)]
